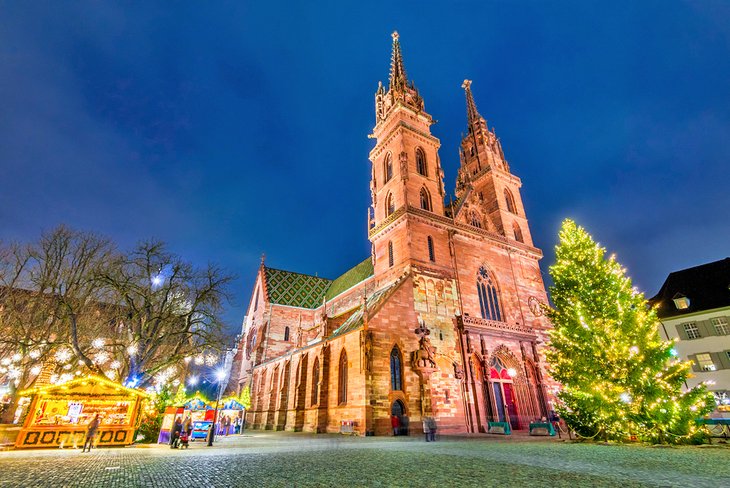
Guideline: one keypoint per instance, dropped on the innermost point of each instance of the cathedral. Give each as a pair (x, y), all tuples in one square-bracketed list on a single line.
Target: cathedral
[(443, 320)]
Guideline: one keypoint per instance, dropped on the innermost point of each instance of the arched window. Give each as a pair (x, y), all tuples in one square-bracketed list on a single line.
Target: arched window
[(518, 232), (431, 254), (342, 380), (396, 375), (315, 382), (421, 162), (488, 297), (510, 201), (256, 300), (425, 199), (286, 333), (387, 168), (390, 254), (389, 204), (475, 221)]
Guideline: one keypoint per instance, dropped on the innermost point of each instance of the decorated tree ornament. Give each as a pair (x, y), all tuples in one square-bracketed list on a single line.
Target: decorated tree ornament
[(620, 379)]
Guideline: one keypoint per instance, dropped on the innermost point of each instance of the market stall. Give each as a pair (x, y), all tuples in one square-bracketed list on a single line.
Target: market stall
[(230, 416), (59, 414)]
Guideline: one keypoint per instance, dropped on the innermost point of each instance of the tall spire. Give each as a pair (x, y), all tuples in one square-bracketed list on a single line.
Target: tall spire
[(397, 71), (471, 107)]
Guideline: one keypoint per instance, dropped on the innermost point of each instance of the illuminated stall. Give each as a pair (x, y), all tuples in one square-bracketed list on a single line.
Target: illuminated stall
[(59, 415), (231, 408)]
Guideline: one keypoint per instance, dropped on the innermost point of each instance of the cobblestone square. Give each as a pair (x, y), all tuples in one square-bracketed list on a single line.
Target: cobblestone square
[(283, 459)]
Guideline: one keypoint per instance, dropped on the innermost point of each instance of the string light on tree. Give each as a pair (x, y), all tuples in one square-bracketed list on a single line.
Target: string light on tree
[(619, 378)]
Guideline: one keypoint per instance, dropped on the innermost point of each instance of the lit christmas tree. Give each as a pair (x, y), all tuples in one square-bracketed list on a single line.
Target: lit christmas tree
[(620, 379)]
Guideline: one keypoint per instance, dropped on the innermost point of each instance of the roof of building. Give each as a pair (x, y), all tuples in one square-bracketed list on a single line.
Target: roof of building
[(706, 286), (295, 289), (350, 278), (374, 302), (307, 291)]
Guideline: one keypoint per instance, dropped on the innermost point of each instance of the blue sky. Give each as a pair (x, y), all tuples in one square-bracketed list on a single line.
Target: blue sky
[(229, 129)]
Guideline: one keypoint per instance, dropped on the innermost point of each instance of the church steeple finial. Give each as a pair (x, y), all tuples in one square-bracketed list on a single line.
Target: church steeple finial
[(397, 70), (471, 108)]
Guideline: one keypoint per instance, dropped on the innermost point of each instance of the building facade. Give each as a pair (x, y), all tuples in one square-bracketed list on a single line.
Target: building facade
[(443, 319), (693, 306)]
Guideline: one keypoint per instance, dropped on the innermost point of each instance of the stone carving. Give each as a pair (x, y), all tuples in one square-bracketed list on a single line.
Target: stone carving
[(458, 371), (424, 356)]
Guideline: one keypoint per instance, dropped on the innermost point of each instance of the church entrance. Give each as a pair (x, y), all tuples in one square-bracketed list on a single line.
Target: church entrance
[(398, 418), (504, 395)]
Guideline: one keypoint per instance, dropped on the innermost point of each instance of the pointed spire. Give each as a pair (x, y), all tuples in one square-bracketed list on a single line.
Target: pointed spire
[(471, 108), (397, 70)]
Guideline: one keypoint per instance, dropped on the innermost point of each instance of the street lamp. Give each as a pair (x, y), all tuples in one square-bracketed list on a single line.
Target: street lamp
[(219, 376)]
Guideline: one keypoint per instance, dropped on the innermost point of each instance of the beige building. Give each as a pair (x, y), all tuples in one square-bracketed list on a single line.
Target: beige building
[(693, 306)]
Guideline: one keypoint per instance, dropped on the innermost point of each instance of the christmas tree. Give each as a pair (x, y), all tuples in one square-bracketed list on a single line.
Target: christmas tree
[(619, 378)]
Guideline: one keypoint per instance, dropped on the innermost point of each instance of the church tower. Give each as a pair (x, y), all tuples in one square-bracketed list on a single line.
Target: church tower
[(406, 176), (484, 179)]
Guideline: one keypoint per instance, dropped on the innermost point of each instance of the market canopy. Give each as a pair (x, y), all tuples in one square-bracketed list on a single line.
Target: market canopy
[(87, 385)]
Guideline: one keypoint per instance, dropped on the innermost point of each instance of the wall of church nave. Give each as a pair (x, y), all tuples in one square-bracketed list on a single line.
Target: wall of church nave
[(311, 390)]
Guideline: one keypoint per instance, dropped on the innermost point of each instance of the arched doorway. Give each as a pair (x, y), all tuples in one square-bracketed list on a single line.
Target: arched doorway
[(398, 410), (504, 393)]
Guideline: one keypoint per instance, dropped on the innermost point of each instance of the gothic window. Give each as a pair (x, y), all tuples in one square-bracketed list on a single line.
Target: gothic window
[(396, 375), (390, 254), (421, 162), (510, 201), (518, 232), (315, 382), (342, 380), (256, 300), (425, 199), (389, 205), (286, 333), (488, 297), (475, 221), (388, 168), (431, 254)]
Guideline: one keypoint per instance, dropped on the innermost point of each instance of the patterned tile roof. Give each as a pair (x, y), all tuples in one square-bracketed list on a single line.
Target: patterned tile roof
[(350, 278), (295, 289)]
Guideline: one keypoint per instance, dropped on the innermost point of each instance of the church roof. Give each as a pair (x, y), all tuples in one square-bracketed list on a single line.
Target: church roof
[(374, 302), (350, 278), (706, 286), (307, 291), (295, 289)]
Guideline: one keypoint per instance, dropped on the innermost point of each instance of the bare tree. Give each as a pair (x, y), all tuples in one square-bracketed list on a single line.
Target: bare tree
[(169, 311)]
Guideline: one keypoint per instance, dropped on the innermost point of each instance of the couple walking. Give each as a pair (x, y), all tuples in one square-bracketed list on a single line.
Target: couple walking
[(429, 429)]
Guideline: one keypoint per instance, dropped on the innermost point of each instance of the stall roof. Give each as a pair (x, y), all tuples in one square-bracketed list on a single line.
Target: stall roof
[(84, 381)]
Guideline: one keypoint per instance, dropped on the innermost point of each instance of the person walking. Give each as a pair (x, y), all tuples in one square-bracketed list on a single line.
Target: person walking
[(427, 429), (395, 423), (175, 434), (91, 433)]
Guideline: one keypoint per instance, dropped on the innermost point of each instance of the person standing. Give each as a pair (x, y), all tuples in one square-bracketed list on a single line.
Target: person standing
[(432, 428), (187, 426), (228, 424), (395, 423), (91, 433), (175, 434), (427, 428)]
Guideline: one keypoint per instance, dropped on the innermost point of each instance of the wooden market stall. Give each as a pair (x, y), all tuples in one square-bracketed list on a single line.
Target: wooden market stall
[(59, 415)]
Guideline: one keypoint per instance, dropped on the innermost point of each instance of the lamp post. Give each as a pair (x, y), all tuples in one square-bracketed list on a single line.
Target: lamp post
[(219, 375)]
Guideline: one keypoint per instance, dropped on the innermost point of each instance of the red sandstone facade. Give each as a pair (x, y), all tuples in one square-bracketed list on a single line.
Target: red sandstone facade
[(443, 319)]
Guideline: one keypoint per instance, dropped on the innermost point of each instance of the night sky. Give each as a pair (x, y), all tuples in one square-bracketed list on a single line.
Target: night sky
[(229, 129)]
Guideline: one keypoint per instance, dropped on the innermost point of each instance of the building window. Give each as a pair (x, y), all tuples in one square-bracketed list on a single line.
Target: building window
[(286, 333), (342, 380), (425, 200), (256, 300), (474, 220), (518, 232), (704, 361), (389, 205), (315, 382), (421, 162), (431, 254), (692, 331), (388, 168), (510, 201), (390, 254), (720, 324), (488, 296), (680, 301), (396, 377), (727, 353)]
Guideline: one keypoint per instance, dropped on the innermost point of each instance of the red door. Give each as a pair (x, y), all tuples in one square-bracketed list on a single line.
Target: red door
[(509, 401)]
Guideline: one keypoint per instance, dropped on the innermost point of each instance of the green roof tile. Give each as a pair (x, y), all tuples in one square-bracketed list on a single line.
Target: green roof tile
[(350, 278), (295, 289)]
